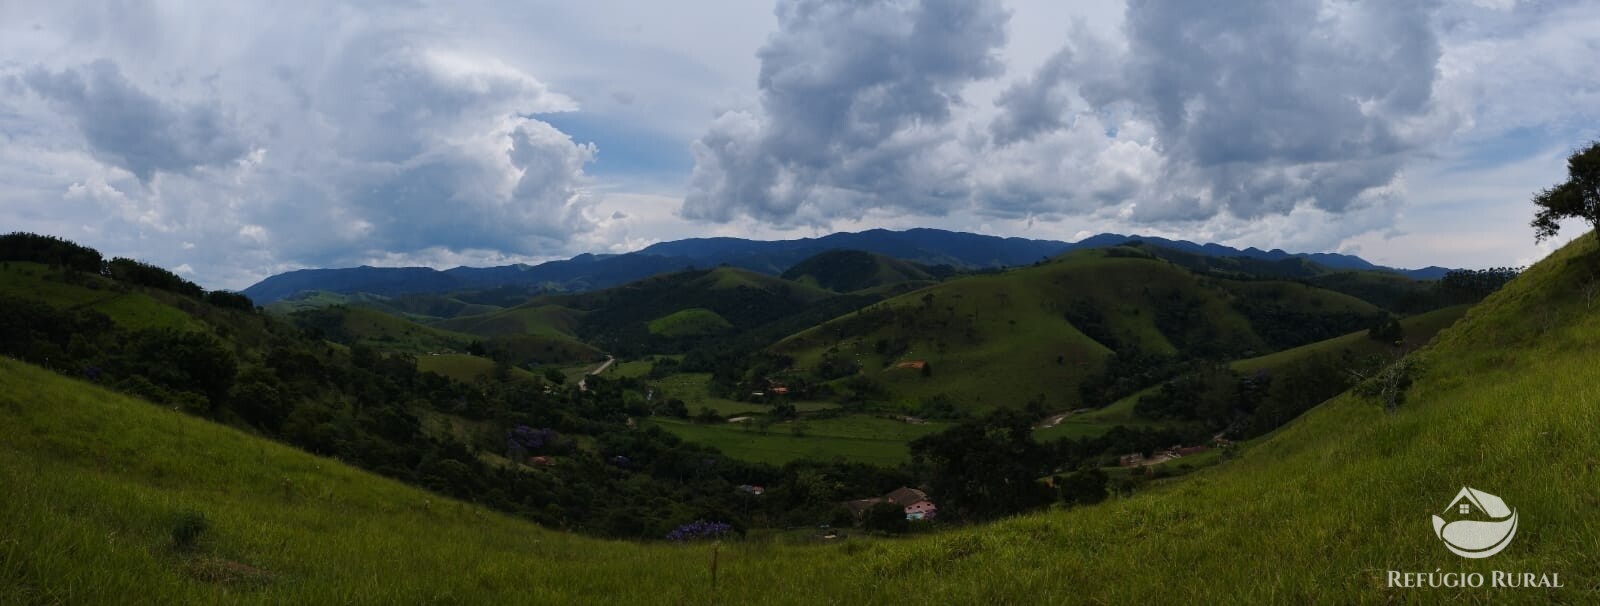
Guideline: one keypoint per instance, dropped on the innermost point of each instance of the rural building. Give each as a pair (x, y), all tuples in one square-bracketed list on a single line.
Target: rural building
[(922, 510), (916, 504), (859, 507), (752, 489)]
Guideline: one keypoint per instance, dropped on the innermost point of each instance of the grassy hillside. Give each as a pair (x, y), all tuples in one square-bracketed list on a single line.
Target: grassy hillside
[(695, 322), (419, 307), (619, 319), (364, 326), (1318, 512), (527, 319), (854, 270), (130, 307), (1039, 332)]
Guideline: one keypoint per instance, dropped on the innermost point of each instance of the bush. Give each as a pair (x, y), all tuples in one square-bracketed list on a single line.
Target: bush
[(887, 518), (187, 529)]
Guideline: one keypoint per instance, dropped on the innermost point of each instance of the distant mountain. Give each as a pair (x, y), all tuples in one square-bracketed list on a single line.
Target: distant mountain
[(929, 247)]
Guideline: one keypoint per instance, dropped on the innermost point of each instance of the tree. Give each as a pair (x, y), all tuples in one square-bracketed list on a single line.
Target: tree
[(985, 468), (1085, 487), (887, 518), (1578, 197), (554, 376)]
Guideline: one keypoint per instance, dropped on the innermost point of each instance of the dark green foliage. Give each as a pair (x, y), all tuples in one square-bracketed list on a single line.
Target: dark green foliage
[(1213, 394), (1283, 326), (1298, 386), (1126, 372), (187, 529), (50, 250), (985, 468), (853, 270), (1577, 197), (1471, 286), (1387, 330), (1084, 487), (887, 518), (230, 300), (1388, 382), (144, 274), (555, 376)]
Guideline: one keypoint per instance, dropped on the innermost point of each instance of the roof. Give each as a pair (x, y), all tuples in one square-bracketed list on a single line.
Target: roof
[(904, 497), (861, 505)]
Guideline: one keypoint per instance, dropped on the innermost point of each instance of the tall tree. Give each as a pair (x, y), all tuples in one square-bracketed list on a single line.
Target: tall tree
[(1578, 197), (985, 468)]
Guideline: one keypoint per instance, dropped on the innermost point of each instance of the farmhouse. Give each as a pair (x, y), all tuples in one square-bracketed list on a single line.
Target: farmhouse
[(916, 504)]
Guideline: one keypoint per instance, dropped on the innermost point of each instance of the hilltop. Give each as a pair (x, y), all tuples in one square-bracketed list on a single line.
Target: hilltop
[(1500, 402)]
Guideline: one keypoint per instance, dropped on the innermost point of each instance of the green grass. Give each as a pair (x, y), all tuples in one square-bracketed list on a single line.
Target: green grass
[(689, 323), (1317, 512), (856, 438), (465, 368), (130, 308)]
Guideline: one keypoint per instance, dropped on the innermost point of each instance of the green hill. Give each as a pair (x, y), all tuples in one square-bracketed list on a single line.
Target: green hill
[(620, 319), (854, 270), (693, 322), (1318, 512), (128, 306), (1040, 332), (420, 307), (371, 327), (534, 318)]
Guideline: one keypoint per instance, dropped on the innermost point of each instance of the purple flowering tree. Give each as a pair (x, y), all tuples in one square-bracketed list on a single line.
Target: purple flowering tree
[(523, 441), (699, 530)]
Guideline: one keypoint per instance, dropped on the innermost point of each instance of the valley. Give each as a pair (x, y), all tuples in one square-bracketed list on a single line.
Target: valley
[(1375, 469)]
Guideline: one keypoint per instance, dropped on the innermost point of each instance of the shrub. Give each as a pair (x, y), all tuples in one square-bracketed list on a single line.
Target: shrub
[(187, 529)]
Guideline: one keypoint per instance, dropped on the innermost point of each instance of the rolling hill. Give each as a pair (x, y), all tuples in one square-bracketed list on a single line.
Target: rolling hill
[(1326, 510), (1040, 332), (854, 270)]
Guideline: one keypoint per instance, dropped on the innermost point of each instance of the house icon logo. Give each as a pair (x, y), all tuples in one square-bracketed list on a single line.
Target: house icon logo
[(1483, 525)]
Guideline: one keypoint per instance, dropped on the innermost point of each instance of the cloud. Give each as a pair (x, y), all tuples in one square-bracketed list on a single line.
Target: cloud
[(307, 137), (855, 111), (1253, 109), (131, 129)]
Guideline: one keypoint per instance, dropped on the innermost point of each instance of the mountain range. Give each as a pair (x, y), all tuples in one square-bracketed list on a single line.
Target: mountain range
[(928, 247)]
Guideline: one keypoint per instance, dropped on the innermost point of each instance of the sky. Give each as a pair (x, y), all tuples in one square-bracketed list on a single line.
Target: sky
[(232, 141)]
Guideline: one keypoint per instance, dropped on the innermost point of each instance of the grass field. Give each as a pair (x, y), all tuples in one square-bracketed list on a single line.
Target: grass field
[(859, 438), (1507, 401)]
